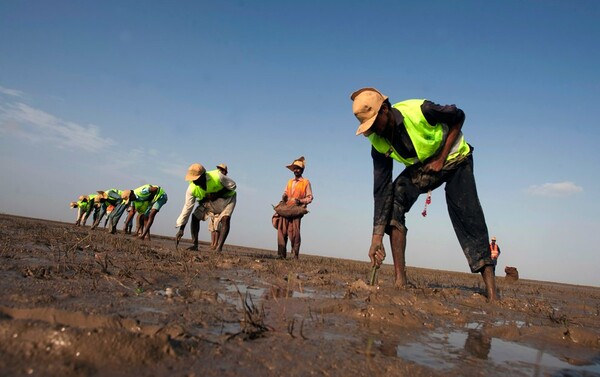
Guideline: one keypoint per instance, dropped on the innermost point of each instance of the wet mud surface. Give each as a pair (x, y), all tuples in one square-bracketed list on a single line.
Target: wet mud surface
[(77, 302)]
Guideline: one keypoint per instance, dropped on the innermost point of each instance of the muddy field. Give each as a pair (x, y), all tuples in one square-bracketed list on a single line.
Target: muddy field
[(77, 302)]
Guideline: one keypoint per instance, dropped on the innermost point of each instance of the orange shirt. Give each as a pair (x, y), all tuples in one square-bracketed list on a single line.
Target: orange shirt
[(299, 189)]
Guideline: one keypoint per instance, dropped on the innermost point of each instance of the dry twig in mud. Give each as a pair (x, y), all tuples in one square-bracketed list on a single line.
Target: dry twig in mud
[(103, 260), (252, 325)]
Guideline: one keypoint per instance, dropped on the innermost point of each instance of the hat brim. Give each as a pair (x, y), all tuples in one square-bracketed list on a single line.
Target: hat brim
[(366, 125), (292, 166), (192, 177)]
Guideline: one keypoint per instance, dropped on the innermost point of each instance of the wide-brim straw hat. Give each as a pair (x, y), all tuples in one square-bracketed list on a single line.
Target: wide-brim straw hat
[(222, 167), (299, 162)]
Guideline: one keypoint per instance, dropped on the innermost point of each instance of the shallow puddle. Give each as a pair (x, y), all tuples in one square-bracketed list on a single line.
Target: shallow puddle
[(445, 351), (257, 294)]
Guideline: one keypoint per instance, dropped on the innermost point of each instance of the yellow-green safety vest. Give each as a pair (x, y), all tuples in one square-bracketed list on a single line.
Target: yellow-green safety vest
[(426, 138), (110, 199), (82, 205), (141, 207), (143, 197), (213, 185)]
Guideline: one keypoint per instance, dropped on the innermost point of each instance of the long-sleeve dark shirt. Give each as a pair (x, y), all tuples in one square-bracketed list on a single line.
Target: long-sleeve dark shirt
[(383, 166)]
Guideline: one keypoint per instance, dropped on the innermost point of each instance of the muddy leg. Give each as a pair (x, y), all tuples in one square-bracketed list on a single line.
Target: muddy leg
[(223, 232), (214, 238), (282, 237), (487, 273), (398, 243), (194, 229)]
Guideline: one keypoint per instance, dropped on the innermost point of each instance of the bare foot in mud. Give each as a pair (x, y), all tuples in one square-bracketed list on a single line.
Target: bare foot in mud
[(490, 283), (401, 282)]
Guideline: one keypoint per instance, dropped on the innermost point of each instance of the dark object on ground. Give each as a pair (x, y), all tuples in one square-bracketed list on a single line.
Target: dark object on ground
[(290, 211), (511, 273)]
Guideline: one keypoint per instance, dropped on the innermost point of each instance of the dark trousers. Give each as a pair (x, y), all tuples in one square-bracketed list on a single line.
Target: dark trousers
[(463, 203), (115, 215)]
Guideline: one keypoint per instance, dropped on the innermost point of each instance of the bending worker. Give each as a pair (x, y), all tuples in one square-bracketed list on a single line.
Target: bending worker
[(427, 139), (215, 193), (156, 198), (82, 205), (93, 205), (111, 197)]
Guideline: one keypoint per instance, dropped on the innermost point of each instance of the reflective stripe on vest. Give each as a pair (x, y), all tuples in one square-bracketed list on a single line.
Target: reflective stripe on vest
[(159, 193), (494, 250), (82, 205), (142, 196), (426, 139), (113, 196)]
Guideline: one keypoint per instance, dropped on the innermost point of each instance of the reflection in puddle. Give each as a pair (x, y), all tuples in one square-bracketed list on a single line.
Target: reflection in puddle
[(257, 293), (448, 350), (232, 297), (225, 328)]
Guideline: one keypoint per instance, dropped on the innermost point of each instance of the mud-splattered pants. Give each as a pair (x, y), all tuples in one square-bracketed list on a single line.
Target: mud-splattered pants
[(288, 228), (463, 204)]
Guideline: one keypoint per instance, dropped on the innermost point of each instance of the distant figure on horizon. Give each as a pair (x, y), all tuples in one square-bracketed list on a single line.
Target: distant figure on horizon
[(495, 251), (215, 193), (298, 192), (155, 196), (427, 139)]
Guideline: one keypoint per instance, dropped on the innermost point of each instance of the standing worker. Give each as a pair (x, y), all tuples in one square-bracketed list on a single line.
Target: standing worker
[(427, 139), (298, 191), (156, 198), (215, 193), (494, 251)]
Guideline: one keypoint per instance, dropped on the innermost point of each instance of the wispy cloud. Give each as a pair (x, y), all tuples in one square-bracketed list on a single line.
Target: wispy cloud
[(11, 92), (39, 127), (559, 189)]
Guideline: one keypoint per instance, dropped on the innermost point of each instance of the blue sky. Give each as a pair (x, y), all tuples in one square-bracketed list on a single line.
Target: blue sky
[(95, 95)]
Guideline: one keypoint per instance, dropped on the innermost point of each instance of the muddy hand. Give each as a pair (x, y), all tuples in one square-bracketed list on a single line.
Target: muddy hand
[(376, 254), (178, 237)]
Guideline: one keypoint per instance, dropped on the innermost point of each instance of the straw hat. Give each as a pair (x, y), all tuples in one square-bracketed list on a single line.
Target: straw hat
[(299, 162), (366, 105), (125, 196), (194, 172), (493, 238), (222, 167), (73, 205), (82, 198), (102, 194)]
